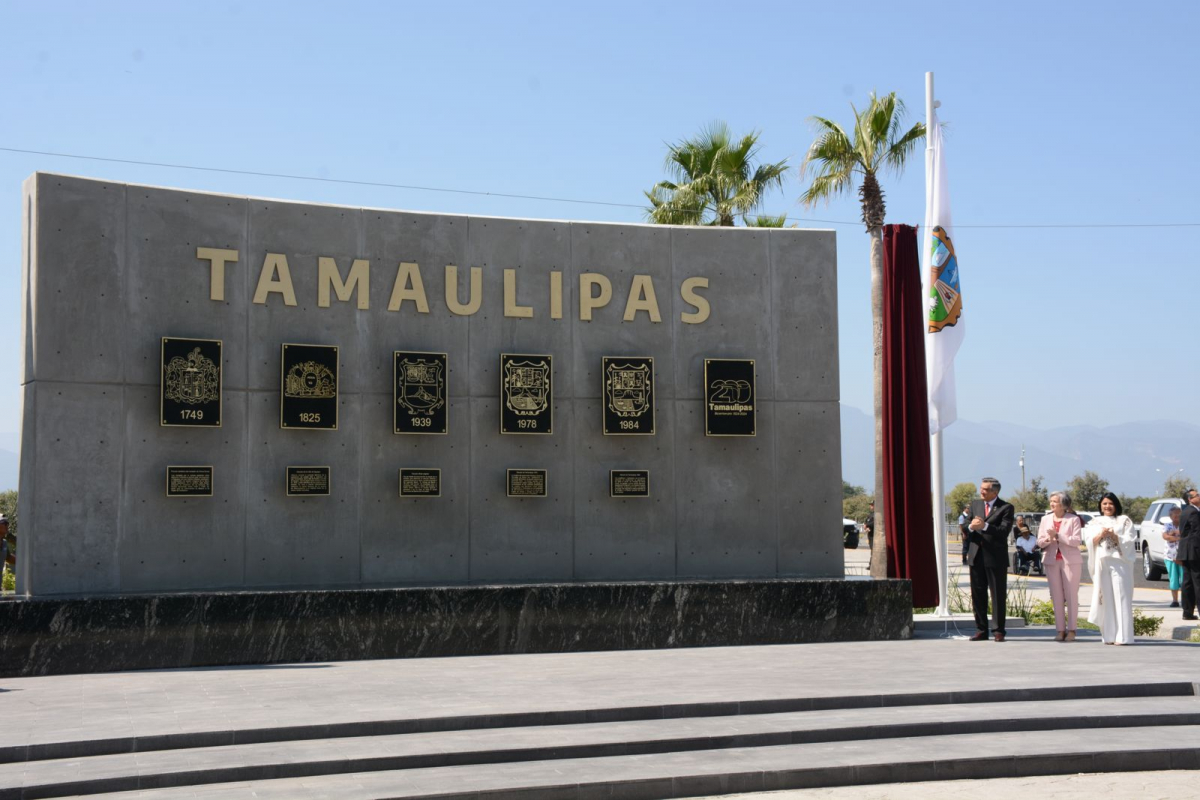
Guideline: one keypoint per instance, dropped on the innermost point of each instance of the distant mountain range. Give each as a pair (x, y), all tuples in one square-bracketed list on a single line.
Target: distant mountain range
[(1134, 457)]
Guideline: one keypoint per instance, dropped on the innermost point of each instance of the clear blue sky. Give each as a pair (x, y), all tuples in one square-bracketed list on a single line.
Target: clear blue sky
[(1059, 113)]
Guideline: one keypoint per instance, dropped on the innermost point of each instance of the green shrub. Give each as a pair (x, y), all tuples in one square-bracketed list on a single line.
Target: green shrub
[(1145, 625), (9, 582)]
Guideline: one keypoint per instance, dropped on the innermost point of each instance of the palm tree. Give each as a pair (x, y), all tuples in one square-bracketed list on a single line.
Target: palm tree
[(878, 143), (713, 180)]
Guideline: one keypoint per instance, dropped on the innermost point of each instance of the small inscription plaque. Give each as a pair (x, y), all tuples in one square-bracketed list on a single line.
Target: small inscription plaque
[(729, 397), (190, 382), (526, 394), (308, 387), (629, 483), (189, 481), (527, 483), (419, 392), (307, 481), (628, 396), (420, 482)]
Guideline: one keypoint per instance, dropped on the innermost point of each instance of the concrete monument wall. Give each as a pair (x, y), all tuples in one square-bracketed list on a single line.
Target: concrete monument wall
[(110, 269)]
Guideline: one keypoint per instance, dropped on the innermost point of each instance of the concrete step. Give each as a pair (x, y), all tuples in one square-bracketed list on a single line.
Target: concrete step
[(742, 769), (68, 748), (390, 753), (958, 623)]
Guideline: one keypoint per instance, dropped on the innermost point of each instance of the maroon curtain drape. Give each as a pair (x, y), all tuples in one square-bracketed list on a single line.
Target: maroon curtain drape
[(908, 504)]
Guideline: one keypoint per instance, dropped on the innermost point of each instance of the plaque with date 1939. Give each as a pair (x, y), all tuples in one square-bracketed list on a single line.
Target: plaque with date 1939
[(729, 397), (419, 392), (308, 387), (190, 384)]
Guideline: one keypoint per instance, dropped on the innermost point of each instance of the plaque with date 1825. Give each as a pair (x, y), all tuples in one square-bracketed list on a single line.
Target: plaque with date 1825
[(419, 392), (190, 385), (308, 387), (526, 394)]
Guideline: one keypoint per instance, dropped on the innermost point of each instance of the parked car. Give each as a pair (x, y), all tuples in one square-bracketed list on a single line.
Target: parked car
[(849, 534), (1150, 542)]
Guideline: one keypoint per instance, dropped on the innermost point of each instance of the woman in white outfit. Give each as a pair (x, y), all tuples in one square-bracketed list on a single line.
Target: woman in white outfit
[(1112, 551)]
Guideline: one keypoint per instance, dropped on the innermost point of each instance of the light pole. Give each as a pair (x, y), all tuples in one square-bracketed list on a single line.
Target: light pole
[(1022, 469)]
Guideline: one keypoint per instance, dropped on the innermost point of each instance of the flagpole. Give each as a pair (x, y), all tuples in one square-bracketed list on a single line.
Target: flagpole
[(941, 543)]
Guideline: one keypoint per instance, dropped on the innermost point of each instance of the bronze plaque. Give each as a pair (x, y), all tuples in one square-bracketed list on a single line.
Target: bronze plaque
[(420, 482), (189, 481), (729, 397), (307, 481), (526, 394), (419, 392), (629, 483), (308, 387), (628, 395), (190, 382), (527, 483)]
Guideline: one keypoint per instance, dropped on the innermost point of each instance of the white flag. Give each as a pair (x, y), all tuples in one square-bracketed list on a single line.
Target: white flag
[(943, 289)]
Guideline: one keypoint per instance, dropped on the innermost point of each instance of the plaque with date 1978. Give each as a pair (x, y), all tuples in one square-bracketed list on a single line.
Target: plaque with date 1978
[(190, 384), (526, 393), (308, 387)]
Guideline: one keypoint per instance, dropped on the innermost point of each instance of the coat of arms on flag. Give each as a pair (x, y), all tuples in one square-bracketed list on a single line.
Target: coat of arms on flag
[(945, 294)]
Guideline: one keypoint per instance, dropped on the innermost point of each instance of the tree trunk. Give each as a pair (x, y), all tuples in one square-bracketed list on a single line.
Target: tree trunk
[(879, 546)]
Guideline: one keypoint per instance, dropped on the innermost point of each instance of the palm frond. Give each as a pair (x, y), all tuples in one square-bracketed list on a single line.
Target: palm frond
[(902, 148), (766, 221)]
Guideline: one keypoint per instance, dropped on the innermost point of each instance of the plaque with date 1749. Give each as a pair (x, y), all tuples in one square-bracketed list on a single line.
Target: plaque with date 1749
[(190, 384)]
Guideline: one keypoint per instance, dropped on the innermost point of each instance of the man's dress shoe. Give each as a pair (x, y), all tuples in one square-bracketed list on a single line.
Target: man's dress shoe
[(981, 636), (999, 636)]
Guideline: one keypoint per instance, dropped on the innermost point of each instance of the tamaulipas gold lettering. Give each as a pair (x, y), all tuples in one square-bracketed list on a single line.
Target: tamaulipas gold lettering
[(330, 277), (595, 289)]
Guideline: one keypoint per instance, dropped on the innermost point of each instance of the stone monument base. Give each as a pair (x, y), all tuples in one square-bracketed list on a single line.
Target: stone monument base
[(51, 636)]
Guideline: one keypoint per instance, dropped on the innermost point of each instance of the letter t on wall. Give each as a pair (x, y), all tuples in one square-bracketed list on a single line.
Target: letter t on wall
[(216, 276)]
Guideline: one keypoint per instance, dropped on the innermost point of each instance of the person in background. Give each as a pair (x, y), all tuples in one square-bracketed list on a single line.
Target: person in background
[(1059, 536), (8, 548), (1174, 568), (1112, 550), (1029, 556), (1189, 553)]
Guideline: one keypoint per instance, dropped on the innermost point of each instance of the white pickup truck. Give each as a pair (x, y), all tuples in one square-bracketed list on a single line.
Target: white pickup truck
[(1151, 544)]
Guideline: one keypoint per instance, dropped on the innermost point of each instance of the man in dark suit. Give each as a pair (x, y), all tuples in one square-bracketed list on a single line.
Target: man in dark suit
[(1189, 551), (987, 556)]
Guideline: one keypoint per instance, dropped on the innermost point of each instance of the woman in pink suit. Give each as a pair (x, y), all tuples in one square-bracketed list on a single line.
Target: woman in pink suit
[(1059, 535)]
